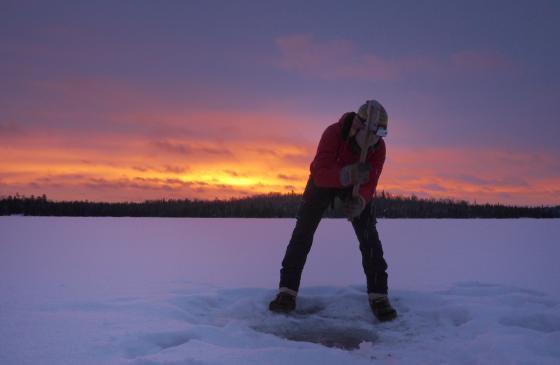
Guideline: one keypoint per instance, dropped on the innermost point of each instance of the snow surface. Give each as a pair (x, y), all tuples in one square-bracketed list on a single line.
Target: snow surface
[(195, 291)]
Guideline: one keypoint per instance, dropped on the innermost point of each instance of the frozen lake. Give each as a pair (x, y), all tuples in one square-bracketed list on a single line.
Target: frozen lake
[(168, 291)]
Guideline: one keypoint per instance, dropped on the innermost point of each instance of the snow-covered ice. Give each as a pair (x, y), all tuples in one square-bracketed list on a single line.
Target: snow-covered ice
[(195, 291)]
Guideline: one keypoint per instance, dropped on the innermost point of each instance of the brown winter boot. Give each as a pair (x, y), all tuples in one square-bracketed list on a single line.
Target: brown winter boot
[(284, 303), (381, 307)]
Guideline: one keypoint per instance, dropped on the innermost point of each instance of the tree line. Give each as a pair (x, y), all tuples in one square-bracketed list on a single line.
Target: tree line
[(266, 206)]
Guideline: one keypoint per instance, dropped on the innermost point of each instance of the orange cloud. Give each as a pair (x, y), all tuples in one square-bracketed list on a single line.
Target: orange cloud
[(474, 175), (113, 168), (162, 152), (101, 166)]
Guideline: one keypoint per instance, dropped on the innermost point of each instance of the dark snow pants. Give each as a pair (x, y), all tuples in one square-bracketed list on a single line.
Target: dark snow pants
[(315, 201)]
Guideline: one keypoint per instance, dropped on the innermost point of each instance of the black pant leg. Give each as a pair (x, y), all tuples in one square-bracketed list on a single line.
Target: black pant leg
[(314, 202), (375, 266)]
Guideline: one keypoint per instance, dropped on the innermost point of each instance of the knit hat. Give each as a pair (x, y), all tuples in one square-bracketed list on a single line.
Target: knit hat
[(383, 117)]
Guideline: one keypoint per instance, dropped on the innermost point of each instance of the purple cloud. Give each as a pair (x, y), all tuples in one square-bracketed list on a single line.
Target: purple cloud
[(342, 59), (332, 59), (480, 61), (10, 129)]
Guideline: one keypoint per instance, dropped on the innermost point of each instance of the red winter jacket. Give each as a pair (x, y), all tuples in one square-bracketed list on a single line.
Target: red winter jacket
[(335, 152)]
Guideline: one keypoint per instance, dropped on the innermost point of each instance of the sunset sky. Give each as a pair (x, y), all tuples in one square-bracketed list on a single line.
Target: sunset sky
[(136, 100)]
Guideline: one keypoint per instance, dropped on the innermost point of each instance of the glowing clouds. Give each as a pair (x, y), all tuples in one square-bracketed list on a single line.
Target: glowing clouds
[(163, 152), (109, 167), (474, 175)]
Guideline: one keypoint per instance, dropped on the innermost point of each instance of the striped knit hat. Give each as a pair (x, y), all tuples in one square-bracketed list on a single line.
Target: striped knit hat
[(383, 117)]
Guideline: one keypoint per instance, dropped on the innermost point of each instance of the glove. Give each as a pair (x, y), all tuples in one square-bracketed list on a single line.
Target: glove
[(354, 206), (357, 173)]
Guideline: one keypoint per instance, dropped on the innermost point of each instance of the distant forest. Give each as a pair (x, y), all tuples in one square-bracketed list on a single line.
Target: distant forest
[(265, 206)]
